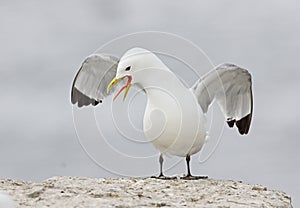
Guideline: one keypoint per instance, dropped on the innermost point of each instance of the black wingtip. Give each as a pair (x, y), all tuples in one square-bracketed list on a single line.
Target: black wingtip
[(244, 124), (81, 99), (230, 122)]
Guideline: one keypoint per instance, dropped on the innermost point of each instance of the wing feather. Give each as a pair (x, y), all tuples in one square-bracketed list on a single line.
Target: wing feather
[(90, 82), (231, 87)]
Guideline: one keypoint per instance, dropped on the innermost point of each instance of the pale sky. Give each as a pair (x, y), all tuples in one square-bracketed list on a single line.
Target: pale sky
[(43, 45)]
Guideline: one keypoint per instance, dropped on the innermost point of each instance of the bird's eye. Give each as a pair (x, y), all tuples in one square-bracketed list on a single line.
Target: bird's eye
[(128, 68)]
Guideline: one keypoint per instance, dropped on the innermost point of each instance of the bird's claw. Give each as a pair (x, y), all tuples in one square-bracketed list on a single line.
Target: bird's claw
[(164, 177), (190, 177)]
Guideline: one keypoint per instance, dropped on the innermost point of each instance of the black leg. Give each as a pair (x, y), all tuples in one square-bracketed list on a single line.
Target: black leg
[(189, 176), (161, 160), (187, 158), (161, 175)]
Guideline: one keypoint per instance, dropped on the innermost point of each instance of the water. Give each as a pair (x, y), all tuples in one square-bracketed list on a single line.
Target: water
[(42, 46)]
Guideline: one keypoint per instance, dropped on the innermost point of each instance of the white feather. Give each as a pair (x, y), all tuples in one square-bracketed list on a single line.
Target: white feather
[(92, 79), (230, 86)]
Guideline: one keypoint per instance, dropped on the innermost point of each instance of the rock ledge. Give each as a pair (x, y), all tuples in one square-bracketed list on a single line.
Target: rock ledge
[(141, 192)]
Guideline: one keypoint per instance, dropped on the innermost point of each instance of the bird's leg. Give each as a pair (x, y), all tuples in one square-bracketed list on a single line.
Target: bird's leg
[(161, 175), (161, 160), (189, 175), (188, 159)]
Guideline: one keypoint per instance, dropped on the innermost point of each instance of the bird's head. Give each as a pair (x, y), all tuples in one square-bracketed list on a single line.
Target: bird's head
[(132, 62)]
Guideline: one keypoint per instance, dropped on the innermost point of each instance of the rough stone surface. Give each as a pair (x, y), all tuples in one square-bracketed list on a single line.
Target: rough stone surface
[(141, 192)]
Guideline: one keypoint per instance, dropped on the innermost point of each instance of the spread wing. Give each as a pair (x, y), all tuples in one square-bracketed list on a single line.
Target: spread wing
[(90, 83), (230, 86)]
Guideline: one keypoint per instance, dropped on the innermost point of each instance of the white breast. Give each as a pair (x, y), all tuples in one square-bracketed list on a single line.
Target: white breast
[(173, 120)]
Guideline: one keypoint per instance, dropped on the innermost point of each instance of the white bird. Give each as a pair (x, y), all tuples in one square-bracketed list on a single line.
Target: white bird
[(174, 115)]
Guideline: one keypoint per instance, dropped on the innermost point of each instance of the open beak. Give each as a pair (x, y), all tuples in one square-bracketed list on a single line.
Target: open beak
[(125, 87)]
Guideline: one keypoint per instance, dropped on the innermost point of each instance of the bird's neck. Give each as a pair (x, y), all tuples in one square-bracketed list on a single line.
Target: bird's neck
[(160, 83), (159, 79)]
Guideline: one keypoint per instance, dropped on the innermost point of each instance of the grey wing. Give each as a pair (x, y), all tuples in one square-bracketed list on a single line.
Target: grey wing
[(90, 83), (231, 87)]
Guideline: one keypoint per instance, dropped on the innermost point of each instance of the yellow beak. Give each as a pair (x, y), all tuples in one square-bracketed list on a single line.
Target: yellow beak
[(126, 87), (113, 83)]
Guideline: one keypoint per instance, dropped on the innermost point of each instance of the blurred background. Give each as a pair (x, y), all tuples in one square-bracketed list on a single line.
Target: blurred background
[(43, 44)]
